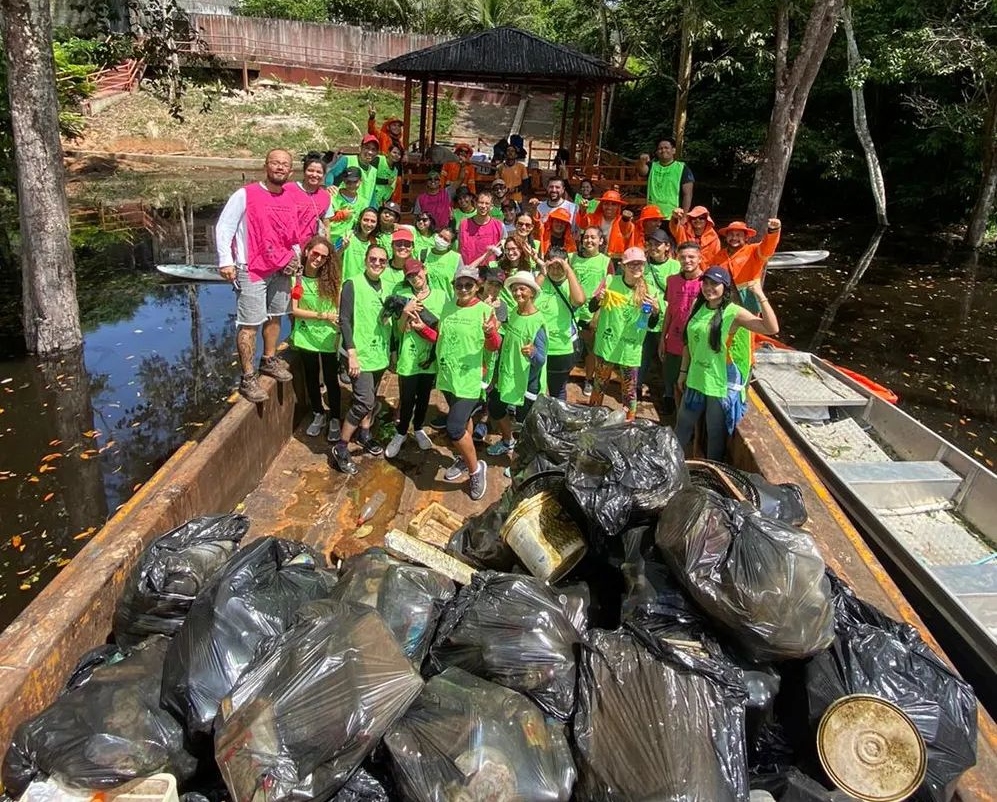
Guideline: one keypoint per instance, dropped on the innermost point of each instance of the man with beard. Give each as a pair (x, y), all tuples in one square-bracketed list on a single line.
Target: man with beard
[(258, 248), (556, 200)]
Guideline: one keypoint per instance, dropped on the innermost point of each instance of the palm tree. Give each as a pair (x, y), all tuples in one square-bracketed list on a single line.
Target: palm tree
[(480, 15)]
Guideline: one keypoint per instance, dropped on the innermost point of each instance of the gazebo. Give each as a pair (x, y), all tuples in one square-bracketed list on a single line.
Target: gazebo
[(508, 55)]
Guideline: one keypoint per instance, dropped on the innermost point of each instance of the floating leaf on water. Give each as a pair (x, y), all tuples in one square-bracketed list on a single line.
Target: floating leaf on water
[(85, 533), (92, 433), (24, 586), (32, 478), (49, 497), (50, 457), (16, 541), (8, 380)]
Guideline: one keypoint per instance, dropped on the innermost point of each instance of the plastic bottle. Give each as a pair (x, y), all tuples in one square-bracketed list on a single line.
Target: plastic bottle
[(371, 507), (645, 315)]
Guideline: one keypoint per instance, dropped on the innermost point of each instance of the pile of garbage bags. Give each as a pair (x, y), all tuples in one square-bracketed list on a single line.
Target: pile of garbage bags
[(690, 655)]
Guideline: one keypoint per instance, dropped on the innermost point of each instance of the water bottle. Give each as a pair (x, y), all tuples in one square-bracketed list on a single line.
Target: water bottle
[(645, 315), (371, 507)]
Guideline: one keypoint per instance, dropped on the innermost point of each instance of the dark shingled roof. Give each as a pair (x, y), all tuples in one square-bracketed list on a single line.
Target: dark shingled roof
[(504, 55)]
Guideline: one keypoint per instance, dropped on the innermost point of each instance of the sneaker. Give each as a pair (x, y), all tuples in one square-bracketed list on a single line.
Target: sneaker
[(478, 481), (271, 366), (317, 425), (394, 446), (587, 389), (423, 440), (455, 471), (480, 432), (249, 388), (345, 463), (371, 446), (439, 423), (333, 434), (500, 448), (281, 362)]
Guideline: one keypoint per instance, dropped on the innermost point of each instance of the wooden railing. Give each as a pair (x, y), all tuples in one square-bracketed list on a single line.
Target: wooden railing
[(122, 77)]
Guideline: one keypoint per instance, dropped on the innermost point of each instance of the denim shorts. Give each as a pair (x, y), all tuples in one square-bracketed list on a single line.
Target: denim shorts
[(257, 301)]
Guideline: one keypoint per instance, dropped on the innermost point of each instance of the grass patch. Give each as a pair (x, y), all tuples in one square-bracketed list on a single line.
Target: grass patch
[(236, 123)]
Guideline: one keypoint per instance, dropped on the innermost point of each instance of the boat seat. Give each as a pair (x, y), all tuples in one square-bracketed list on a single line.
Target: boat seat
[(899, 485)]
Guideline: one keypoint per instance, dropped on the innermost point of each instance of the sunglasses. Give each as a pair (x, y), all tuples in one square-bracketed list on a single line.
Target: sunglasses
[(318, 257), (524, 225), (464, 285), (424, 220), (376, 260), (403, 244)]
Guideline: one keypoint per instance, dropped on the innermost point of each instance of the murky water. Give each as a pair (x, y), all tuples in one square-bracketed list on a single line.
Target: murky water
[(79, 435)]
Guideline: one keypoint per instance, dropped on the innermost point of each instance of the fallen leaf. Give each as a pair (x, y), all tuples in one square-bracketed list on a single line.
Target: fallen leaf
[(55, 442), (15, 541), (49, 497), (50, 457), (32, 478), (92, 433), (85, 533), (25, 586)]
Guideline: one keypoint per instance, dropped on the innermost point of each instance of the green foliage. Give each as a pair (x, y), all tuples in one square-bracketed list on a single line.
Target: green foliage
[(302, 10)]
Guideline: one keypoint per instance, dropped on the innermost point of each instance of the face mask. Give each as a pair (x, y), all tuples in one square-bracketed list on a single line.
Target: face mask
[(440, 244)]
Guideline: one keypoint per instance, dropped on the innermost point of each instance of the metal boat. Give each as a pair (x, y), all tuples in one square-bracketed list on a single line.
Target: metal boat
[(929, 508)]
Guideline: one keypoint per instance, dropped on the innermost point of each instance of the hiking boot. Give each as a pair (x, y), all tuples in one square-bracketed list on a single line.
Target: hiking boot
[(282, 362), (249, 388), (587, 389), (333, 435), (370, 446), (480, 432), (500, 448), (341, 456), (317, 425), (271, 366), (478, 481), (394, 446), (455, 471), (423, 440)]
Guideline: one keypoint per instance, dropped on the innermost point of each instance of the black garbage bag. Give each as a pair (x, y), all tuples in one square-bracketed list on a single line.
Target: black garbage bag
[(104, 655), (760, 579), (657, 722), (623, 475), (252, 599), (783, 502), (792, 785), (369, 783), (513, 630), (471, 740), (874, 654), (478, 542), (551, 432), (305, 714), (408, 597), (172, 570), (107, 732)]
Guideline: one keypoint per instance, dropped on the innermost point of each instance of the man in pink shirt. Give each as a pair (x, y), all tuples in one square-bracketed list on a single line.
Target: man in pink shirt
[(475, 235), (681, 291)]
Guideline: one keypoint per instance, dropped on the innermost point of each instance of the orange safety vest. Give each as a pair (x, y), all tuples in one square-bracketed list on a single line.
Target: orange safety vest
[(710, 247), (748, 261)]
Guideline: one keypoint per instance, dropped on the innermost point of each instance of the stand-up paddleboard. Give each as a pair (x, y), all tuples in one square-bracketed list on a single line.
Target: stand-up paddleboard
[(784, 259), (191, 272)]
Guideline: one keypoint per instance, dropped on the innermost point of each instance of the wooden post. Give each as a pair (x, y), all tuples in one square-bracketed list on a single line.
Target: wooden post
[(245, 77), (593, 148), (407, 115), (423, 101), (576, 119), (564, 121), (436, 94)]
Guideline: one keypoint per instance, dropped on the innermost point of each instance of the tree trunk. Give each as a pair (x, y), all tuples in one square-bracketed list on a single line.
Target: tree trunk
[(792, 89), (861, 120), (51, 313), (988, 182), (683, 82)]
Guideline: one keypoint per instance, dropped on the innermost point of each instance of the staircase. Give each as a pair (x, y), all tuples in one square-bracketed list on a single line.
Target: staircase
[(113, 83)]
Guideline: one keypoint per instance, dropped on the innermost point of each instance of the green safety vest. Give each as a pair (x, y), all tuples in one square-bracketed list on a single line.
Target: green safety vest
[(460, 349), (394, 280), (561, 329), (708, 368), (422, 245), (342, 228), (513, 366), (459, 215), (354, 256), (371, 334), (590, 272), (383, 238), (656, 277), (617, 338), (589, 206), (314, 335), (664, 185), (368, 180), (413, 348), (440, 270), (385, 180)]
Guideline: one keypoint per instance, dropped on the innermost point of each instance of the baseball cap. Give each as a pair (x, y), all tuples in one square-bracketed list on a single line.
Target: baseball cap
[(634, 255), (369, 139), (467, 272), (412, 266), (659, 235), (718, 274), (402, 235), (495, 274), (352, 174), (432, 174), (498, 182), (394, 208)]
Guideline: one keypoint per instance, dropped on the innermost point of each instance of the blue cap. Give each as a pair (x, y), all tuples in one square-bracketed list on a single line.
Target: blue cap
[(718, 274)]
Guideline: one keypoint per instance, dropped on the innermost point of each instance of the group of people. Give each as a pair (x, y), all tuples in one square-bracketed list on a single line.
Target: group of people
[(490, 295)]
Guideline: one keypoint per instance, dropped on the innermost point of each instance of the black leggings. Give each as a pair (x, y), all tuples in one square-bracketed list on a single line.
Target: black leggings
[(310, 361), (461, 410), (414, 400), (558, 370)]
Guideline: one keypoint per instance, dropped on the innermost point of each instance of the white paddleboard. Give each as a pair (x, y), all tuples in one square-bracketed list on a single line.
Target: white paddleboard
[(191, 272), (796, 258)]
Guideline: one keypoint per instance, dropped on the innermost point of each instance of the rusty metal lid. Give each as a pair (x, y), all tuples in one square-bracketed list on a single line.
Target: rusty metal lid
[(871, 749)]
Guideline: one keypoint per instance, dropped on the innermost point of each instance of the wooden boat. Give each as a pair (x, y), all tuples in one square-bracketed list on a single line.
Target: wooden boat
[(252, 460), (785, 259), (928, 507), (191, 272)]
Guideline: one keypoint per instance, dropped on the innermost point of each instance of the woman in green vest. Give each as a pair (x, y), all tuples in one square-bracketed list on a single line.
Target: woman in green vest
[(592, 268), (561, 297), (416, 365), (355, 244), (710, 378), (627, 309), (521, 359), (466, 329), (366, 333), (388, 218), (345, 205), (386, 181), (315, 333), (442, 262), (425, 234)]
